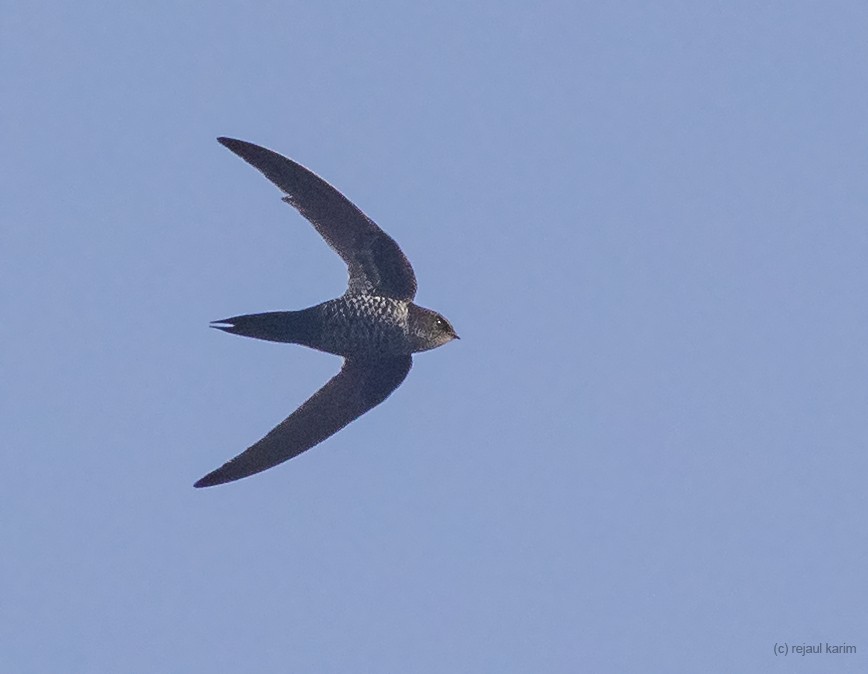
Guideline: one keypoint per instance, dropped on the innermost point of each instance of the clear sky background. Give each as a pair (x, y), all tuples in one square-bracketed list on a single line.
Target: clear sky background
[(647, 221)]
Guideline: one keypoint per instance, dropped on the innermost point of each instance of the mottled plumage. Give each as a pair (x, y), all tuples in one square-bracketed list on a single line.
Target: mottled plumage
[(374, 325)]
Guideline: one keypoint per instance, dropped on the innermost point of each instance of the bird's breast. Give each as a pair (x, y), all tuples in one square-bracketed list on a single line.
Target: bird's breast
[(364, 325)]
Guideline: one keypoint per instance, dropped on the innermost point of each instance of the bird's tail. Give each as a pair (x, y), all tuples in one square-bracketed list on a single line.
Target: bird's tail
[(296, 327)]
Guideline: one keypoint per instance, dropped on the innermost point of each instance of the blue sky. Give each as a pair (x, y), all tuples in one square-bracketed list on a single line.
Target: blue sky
[(647, 221)]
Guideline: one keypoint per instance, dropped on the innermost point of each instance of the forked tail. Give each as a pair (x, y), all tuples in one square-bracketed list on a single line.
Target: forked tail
[(295, 327)]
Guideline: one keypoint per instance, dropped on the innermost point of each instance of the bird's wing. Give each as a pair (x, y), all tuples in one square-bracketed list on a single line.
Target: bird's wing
[(376, 264), (360, 385)]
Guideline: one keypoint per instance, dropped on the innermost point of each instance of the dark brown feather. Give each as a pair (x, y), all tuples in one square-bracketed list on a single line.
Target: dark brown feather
[(376, 264), (360, 385)]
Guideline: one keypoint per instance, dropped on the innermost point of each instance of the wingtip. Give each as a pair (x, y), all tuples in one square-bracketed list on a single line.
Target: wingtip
[(230, 143), (222, 475), (212, 479)]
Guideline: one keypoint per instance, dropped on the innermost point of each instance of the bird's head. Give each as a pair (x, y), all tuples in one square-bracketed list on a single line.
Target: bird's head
[(429, 329)]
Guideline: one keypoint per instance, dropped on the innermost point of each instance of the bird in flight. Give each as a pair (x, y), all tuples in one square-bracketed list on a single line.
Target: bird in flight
[(374, 325)]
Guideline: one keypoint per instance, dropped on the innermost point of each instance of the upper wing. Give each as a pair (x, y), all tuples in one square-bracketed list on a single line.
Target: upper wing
[(358, 387), (376, 263)]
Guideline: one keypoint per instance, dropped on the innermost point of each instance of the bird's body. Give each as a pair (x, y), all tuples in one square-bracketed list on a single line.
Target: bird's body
[(375, 325), (351, 325)]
